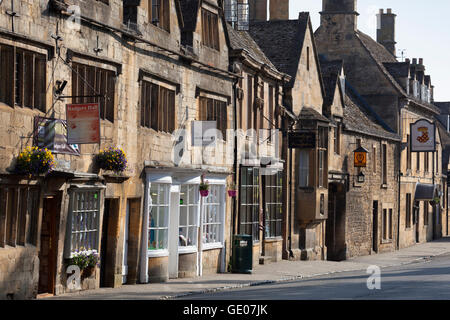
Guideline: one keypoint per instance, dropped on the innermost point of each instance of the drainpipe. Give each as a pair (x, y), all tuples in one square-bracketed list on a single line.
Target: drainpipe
[(235, 164)]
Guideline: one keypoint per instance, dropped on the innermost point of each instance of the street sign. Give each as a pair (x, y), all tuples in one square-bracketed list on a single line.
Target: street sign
[(83, 123), (302, 140), (423, 136)]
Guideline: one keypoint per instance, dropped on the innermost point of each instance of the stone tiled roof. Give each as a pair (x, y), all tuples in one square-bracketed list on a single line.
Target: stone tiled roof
[(358, 119), (397, 69), (310, 114), (381, 55), (330, 72), (282, 41), (243, 40), (443, 106)]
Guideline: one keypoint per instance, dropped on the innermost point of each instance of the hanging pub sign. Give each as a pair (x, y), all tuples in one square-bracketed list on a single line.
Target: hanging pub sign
[(360, 157), (52, 134), (83, 123), (423, 136), (302, 140)]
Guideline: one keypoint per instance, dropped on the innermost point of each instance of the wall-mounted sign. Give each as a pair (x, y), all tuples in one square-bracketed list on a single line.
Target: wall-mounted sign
[(204, 133), (423, 136), (52, 134), (83, 123), (302, 140), (360, 160)]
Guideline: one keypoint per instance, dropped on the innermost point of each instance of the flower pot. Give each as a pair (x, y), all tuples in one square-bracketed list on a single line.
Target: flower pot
[(86, 273), (232, 193), (204, 193)]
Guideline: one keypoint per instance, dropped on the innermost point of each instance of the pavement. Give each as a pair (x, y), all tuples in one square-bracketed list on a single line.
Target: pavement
[(278, 272)]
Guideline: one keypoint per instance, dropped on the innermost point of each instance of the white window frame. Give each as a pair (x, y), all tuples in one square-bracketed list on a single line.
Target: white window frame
[(191, 224), (161, 251), (221, 183), (70, 250)]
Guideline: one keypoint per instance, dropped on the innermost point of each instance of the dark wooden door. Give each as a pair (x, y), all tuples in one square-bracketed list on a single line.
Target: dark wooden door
[(48, 249), (375, 227), (104, 243)]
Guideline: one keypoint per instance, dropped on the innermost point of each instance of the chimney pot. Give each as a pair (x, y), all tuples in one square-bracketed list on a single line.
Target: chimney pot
[(381, 11), (414, 61), (389, 11), (421, 61), (407, 60)]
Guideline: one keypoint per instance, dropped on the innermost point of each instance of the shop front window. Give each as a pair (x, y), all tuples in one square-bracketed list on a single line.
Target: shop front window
[(274, 206), (188, 215), (213, 215), (249, 202), (159, 217)]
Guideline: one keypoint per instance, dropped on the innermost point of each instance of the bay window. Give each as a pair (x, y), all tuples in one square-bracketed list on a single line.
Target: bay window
[(188, 215)]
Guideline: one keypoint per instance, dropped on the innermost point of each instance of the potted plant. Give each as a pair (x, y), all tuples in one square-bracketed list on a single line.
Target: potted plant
[(113, 159), (232, 191), (86, 260), (204, 187), (35, 161)]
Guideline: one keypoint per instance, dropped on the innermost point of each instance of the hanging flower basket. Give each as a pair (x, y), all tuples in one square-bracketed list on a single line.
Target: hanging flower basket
[(204, 187), (113, 159), (35, 161)]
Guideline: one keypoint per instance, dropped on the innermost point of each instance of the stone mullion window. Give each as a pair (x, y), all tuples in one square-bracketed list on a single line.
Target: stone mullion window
[(22, 78), (210, 29), (90, 81), (19, 209), (157, 107), (249, 202), (322, 157), (159, 13), (214, 110)]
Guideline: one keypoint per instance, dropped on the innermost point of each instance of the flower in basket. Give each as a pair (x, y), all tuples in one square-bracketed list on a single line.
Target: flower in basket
[(34, 160), (113, 159), (204, 187), (85, 259)]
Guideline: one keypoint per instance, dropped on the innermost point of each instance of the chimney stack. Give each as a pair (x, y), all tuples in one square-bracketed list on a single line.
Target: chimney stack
[(343, 12), (386, 30), (279, 9), (258, 10)]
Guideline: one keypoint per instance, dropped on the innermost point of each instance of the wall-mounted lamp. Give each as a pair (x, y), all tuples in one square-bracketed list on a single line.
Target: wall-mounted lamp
[(361, 177)]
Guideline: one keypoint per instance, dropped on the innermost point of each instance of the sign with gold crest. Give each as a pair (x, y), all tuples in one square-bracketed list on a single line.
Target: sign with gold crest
[(423, 136), (361, 157)]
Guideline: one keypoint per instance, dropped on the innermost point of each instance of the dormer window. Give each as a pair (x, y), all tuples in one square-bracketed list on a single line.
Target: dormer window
[(159, 13), (210, 29)]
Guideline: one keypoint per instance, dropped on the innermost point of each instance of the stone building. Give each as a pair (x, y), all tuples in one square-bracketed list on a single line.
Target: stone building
[(401, 93), (259, 168), (362, 207), (290, 46), (156, 71)]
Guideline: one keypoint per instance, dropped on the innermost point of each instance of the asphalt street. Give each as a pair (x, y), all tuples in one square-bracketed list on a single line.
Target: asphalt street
[(429, 280)]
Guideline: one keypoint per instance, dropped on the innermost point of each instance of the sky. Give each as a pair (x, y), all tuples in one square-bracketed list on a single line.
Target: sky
[(422, 29)]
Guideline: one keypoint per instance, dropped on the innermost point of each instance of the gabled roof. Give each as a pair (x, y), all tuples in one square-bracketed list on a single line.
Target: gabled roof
[(311, 114), (282, 41), (358, 118), (331, 71), (241, 40)]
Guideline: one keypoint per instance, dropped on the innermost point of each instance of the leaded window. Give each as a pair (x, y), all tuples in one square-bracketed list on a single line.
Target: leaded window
[(274, 204), (249, 202)]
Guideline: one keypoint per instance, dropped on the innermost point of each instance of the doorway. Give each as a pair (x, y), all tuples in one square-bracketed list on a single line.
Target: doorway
[(108, 242), (335, 229), (375, 226), (125, 244), (416, 220), (49, 244)]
